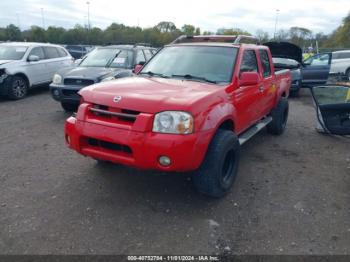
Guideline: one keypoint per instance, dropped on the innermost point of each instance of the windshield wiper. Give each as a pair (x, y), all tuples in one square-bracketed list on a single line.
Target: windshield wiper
[(192, 77), (150, 73), (110, 61)]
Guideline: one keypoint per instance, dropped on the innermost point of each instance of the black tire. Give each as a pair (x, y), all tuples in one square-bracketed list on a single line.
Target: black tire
[(294, 93), (348, 74), (18, 88), (68, 107), (218, 171), (279, 117), (101, 162)]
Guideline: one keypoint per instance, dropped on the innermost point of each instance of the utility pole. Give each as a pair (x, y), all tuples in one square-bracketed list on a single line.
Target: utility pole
[(42, 17), (276, 21), (18, 22), (88, 14)]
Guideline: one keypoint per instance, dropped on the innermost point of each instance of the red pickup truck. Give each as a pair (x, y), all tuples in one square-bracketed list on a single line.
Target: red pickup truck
[(189, 109)]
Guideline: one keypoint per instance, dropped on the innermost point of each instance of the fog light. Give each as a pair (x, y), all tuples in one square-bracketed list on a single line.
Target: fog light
[(56, 92), (164, 161)]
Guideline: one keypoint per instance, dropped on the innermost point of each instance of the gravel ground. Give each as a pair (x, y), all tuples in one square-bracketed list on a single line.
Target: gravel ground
[(291, 195)]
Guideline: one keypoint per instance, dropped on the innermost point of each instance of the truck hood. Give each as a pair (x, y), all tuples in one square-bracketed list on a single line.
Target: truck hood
[(285, 50), (89, 72), (148, 94)]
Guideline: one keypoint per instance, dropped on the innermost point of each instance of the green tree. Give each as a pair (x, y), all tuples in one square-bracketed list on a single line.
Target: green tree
[(55, 34), (166, 27), (37, 34), (300, 36), (282, 35), (2, 34), (95, 36), (232, 31), (77, 35), (262, 36), (188, 29), (340, 38), (13, 33)]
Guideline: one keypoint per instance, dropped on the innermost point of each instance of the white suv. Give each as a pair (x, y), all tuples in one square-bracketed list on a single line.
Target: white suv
[(26, 65), (341, 63)]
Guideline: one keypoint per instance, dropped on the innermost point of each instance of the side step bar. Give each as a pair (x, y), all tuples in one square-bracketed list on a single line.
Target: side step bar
[(244, 137)]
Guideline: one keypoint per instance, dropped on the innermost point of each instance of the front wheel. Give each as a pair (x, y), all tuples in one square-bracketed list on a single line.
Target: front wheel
[(218, 171), (279, 117), (18, 88)]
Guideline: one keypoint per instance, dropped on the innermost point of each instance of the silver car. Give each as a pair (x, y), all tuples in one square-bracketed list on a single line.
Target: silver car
[(341, 63), (27, 65)]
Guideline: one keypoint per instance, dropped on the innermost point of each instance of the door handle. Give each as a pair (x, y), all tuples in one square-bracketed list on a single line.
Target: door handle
[(261, 88)]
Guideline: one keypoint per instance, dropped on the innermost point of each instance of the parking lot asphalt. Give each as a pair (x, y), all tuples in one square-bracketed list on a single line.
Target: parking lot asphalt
[(291, 195)]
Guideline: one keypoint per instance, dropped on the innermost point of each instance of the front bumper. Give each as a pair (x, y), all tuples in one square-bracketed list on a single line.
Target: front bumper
[(66, 94), (5, 81), (135, 148)]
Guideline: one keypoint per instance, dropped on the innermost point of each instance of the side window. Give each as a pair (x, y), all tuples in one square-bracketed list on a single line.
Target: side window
[(317, 60), (265, 63), (249, 62), (148, 54), (140, 57), (344, 55), (51, 52), (62, 52), (335, 56), (38, 51)]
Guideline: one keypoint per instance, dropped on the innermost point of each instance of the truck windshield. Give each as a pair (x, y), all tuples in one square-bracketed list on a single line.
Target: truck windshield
[(199, 63), (12, 52), (108, 57)]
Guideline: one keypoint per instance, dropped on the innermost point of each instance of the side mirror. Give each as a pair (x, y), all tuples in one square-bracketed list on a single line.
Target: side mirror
[(33, 58), (77, 61), (249, 78), (137, 68)]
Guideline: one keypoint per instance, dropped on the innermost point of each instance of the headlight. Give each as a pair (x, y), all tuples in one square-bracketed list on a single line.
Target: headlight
[(108, 79), (173, 122), (57, 79)]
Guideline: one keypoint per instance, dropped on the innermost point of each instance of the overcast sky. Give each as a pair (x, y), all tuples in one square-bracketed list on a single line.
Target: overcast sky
[(317, 15)]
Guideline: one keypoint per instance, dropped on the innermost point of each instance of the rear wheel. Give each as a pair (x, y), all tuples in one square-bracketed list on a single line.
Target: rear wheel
[(68, 107), (218, 171), (18, 88), (279, 117)]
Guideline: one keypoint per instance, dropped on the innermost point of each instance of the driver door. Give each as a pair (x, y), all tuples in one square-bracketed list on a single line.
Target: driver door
[(247, 98), (333, 108), (316, 69)]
